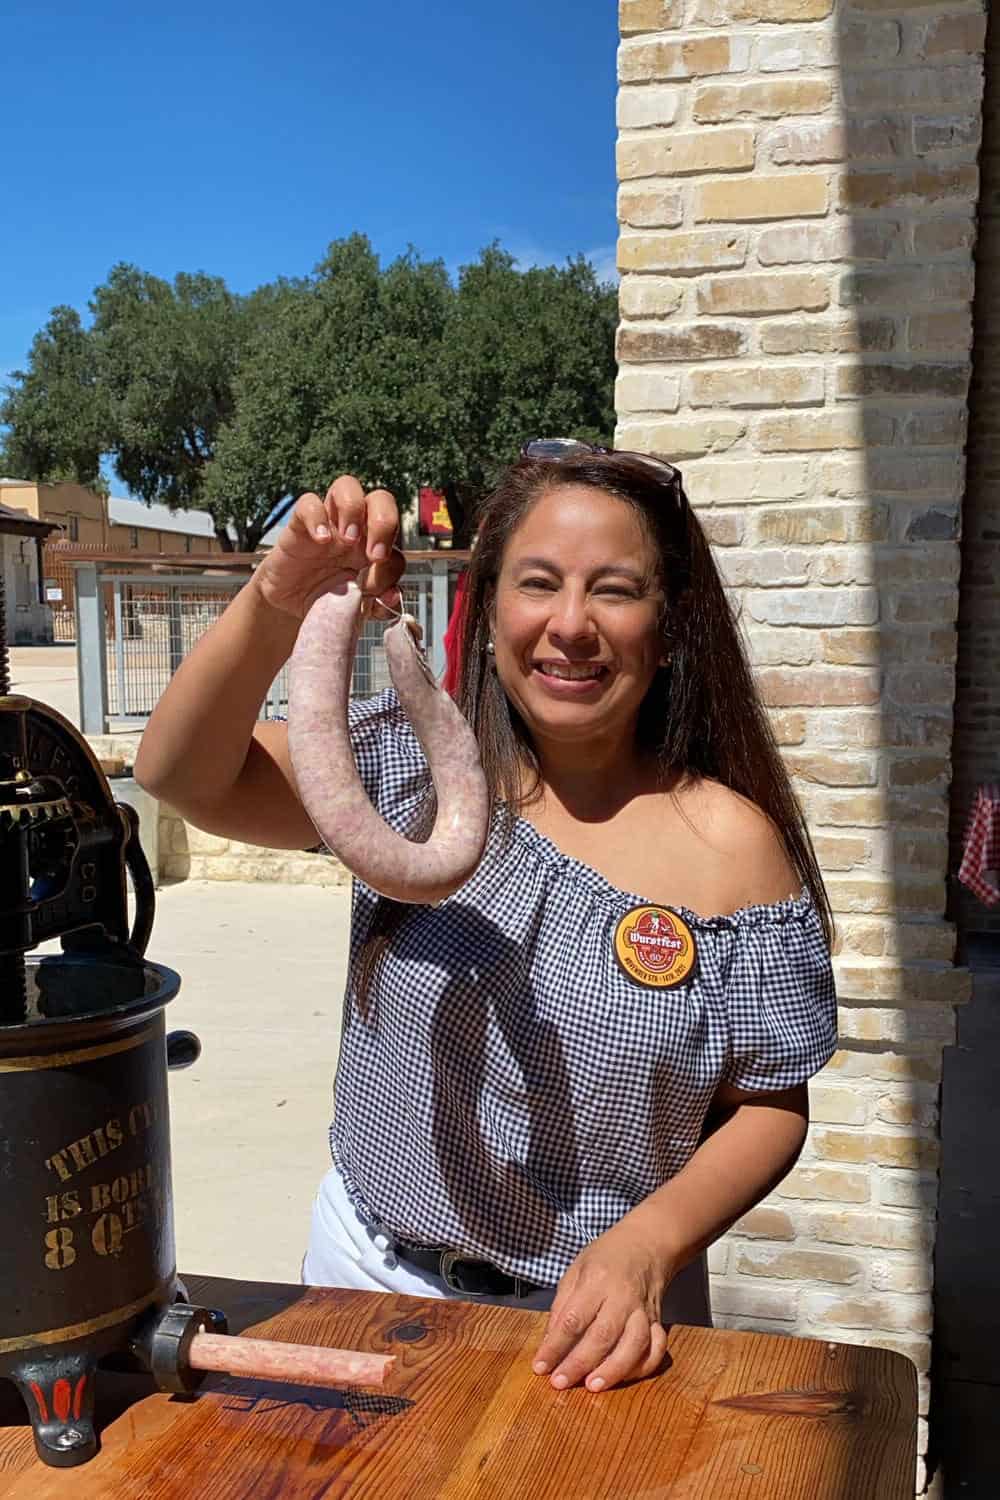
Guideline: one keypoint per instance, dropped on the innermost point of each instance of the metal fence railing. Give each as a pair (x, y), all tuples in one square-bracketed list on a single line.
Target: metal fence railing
[(58, 559), (154, 623), (133, 633)]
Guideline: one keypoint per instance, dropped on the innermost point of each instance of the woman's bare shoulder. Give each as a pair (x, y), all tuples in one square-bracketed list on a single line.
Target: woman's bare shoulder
[(747, 850)]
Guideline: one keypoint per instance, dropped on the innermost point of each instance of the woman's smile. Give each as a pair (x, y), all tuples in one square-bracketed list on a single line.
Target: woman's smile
[(575, 678)]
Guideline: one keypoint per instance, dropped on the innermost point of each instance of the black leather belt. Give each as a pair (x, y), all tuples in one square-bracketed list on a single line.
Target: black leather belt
[(470, 1278)]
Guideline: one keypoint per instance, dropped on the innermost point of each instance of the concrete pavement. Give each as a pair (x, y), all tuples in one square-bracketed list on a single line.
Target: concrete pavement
[(47, 673), (262, 974)]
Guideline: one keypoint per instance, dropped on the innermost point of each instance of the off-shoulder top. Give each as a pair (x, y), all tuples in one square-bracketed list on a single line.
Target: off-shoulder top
[(511, 1087)]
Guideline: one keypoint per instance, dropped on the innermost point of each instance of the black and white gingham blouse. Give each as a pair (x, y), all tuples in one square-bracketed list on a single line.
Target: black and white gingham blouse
[(508, 1091)]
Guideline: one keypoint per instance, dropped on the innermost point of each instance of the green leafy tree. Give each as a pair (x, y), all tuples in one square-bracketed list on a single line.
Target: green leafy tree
[(166, 357), (526, 354), (56, 415), (148, 385), (402, 379), (343, 377), (237, 404), (258, 452)]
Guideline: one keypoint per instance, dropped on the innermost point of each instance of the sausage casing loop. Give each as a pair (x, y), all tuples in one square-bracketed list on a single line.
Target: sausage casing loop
[(326, 774)]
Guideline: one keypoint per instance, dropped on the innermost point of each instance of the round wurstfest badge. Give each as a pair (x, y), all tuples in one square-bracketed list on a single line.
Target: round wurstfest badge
[(655, 947)]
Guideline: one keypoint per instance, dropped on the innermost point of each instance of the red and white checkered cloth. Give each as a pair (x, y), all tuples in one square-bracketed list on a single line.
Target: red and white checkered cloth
[(981, 855)]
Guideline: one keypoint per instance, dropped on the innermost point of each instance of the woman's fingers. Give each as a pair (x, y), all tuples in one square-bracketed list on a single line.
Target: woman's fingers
[(383, 524), (309, 518), (371, 520), (657, 1350), (581, 1330), (380, 578), (566, 1324), (638, 1353), (345, 505), (346, 531), (615, 1338)]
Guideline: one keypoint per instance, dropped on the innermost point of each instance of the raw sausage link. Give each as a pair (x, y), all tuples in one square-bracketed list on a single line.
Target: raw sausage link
[(265, 1359), (323, 760)]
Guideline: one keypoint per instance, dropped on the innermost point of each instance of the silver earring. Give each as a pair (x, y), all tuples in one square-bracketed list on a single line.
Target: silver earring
[(489, 648)]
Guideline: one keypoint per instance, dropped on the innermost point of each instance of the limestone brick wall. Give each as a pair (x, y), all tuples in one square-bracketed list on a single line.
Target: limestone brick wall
[(798, 188), (188, 854), (185, 853)]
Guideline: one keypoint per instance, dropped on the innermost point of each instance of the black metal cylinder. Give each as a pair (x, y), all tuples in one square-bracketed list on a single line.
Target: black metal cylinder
[(86, 1231)]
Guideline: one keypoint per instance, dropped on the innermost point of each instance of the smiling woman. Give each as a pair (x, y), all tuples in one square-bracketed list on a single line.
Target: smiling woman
[(597, 560), (560, 1084)]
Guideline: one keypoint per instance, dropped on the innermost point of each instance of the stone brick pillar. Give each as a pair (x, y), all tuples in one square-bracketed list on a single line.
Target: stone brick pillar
[(797, 201)]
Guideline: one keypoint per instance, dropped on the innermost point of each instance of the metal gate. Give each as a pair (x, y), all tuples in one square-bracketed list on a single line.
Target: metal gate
[(135, 630)]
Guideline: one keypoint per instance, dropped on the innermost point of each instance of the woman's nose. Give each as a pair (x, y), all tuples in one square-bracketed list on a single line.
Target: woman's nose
[(570, 619)]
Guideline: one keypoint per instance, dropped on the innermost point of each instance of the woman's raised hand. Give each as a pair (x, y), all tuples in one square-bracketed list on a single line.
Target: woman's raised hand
[(346, 532)]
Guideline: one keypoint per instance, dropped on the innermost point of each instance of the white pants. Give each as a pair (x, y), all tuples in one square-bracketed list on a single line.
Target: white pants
[(345, 1251)]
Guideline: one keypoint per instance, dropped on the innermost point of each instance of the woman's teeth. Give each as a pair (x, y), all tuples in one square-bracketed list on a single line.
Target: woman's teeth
[(571, 673)]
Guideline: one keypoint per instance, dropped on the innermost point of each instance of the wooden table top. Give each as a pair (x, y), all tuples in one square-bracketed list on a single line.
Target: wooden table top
[(732, 1416)]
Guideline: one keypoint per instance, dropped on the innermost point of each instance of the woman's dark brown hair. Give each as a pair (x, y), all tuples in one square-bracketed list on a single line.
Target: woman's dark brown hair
[(702, 715)]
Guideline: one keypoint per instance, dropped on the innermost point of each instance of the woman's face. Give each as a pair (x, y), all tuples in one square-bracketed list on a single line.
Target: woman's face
[(576, 617)]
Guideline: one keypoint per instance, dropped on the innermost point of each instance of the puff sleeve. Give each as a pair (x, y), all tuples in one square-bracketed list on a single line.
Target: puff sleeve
[(781, 999)]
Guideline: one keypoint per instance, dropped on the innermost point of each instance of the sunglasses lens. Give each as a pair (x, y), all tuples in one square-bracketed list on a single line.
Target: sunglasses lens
[(665, 469), (554, 448)]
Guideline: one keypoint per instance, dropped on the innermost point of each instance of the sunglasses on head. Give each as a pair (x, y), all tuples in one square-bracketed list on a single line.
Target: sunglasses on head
[(554, 449)]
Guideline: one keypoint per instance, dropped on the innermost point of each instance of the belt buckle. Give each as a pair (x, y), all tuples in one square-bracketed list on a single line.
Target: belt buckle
[(450, 1259)]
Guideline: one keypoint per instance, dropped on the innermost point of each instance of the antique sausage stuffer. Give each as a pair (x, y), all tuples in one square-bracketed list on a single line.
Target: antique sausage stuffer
[(86, 1240), (86, 1227)]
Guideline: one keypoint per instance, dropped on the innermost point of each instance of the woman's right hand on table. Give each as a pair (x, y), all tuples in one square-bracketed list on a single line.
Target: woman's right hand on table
[(346, 532)]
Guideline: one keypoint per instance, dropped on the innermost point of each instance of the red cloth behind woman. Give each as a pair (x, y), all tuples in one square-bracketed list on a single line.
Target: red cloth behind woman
[(453, 637)]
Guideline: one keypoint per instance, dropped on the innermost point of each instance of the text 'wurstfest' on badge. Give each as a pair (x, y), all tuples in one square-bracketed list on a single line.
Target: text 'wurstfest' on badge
[(655, 947)]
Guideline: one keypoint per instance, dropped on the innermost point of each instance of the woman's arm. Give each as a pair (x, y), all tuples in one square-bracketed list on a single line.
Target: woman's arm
[(604, 1326), (755, 1145)]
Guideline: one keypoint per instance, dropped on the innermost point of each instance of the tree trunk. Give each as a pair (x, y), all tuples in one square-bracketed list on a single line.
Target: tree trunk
[(461, 515)]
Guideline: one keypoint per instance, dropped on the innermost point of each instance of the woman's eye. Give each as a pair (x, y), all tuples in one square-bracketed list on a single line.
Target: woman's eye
[(617, 591), (537, 583)]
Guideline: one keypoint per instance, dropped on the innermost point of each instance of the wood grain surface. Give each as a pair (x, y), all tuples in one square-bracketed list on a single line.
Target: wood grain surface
[(732, 1416)]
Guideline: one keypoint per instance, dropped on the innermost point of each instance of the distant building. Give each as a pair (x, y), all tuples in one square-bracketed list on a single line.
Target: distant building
[(73, 516), (29, 621), (81, 516)]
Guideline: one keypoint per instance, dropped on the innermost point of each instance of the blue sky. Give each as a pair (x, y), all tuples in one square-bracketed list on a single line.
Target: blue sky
[(240, 138)]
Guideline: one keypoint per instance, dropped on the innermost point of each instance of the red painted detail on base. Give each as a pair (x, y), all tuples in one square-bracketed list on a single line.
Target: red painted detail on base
[(80, 1390), (39, 1395), (62, 1397)]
